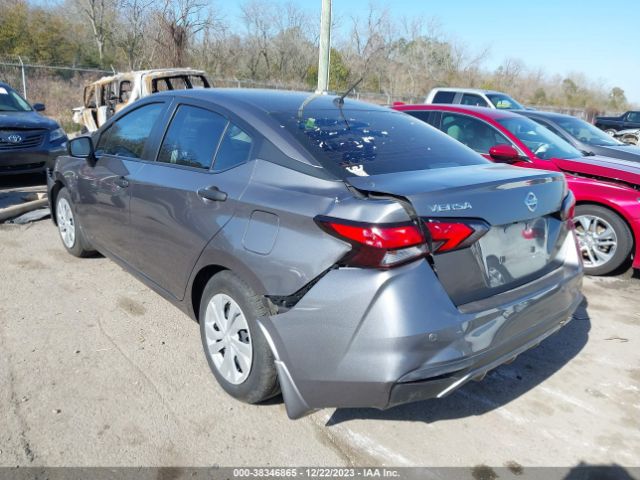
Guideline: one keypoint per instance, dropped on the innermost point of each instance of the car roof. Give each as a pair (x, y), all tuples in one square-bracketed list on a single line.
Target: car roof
[(547, 115), (270, 101), (481, 112), (466, 90)]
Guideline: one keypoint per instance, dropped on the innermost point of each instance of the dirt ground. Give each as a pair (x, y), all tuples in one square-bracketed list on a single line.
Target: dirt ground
[(97, 370)]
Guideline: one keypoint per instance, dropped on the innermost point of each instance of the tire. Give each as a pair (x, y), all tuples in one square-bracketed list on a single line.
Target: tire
[(610, 131), (609, 250), (71, 233), (228, 295)]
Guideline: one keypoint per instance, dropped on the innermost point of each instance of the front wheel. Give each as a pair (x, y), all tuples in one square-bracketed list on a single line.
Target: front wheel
[(604, 238), (611, 132), (237, 352), (71, 234)]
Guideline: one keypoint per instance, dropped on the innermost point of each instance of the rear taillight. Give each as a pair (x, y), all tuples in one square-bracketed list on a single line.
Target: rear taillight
[(388, 245), (377, 245), (447, 236)]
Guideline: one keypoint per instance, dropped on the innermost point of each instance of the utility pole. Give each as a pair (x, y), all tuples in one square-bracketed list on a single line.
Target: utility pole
[(325, 47), (24, 83)]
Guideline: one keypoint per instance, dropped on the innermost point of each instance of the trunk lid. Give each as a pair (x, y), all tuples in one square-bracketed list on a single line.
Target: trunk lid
[(518, 207)]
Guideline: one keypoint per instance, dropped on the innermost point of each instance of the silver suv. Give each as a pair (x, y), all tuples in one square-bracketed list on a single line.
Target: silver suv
[(473, 97)]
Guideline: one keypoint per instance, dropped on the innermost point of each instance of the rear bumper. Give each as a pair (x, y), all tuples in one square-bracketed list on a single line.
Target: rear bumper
[(15, 162), (364, 338)]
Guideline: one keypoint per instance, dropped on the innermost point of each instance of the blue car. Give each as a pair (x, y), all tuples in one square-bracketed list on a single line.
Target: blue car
[(29, 142)]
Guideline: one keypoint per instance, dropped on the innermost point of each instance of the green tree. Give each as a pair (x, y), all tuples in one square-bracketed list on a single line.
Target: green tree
[(539, 97), (339, 73), (617, 99)]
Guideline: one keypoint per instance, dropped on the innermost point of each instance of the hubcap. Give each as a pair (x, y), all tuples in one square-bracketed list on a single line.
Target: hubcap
[(66, 224), (597, 238), (228, 340)]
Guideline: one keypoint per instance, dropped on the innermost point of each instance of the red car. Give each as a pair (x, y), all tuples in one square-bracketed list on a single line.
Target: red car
[(607, 190)]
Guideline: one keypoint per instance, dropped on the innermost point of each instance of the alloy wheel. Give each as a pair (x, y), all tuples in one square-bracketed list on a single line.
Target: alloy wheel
[(228, 338), (597, 238), (66, 223)]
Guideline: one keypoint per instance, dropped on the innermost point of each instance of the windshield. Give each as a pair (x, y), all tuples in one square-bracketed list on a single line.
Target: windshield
[(541, 141), (504, 102), (352, 142), (10, 101), (587, 133)]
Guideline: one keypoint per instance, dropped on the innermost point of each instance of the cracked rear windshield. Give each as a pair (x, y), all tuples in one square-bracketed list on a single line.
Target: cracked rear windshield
[(371, 142)]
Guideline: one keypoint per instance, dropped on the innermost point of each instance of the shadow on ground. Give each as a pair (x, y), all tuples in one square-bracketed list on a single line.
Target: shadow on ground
[(19, 181), (499, 387)]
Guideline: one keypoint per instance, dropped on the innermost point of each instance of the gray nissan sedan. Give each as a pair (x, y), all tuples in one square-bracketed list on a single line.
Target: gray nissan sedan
[(342, 253)]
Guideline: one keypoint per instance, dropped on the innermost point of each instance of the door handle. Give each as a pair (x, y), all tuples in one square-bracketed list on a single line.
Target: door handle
[(121, 182), (212, 193)]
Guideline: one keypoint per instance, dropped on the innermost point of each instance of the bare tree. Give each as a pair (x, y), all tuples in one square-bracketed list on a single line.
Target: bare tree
[(179, 23), (100, 14), (134, 18)]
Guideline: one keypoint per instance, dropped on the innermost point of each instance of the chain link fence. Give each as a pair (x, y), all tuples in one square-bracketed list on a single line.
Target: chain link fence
[(60, 88)]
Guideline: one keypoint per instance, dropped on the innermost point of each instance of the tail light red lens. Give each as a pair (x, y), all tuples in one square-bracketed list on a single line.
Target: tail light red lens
[(380, 236), (388, 245), (447, 236), (377, 246)]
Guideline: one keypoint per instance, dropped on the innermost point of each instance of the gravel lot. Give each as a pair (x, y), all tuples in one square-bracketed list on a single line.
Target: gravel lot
[(97, 370)]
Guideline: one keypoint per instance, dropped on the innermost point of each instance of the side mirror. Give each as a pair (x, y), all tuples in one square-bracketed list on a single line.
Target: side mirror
[(504, 153), (38, 107), (82, 147)]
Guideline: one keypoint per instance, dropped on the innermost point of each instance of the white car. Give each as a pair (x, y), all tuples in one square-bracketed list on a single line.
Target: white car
[(474, 97), (109, 95)]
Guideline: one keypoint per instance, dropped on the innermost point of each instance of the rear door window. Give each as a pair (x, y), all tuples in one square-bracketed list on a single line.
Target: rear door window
[(633, 117), (357, 142), (192, 138), (430, 117), (198, 81), (473, 100), (472, 132), (234, 150), (444, 97), (127, 136)]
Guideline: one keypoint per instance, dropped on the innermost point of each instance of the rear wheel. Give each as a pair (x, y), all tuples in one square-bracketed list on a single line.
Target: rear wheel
[(71, 234), (604, 237), (237, 352), (610, 131)]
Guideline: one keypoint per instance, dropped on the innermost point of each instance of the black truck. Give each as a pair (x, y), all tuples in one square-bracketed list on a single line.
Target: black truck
[(626, 121)]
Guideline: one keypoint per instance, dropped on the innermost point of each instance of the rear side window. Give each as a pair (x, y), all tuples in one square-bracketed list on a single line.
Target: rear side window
[(444, 97), (351, 142), (633, 117), (432, 118), (125, 91), (472, 132), (128, 135), (192, 138), (198, 81), (234, 148), (473, 100)]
